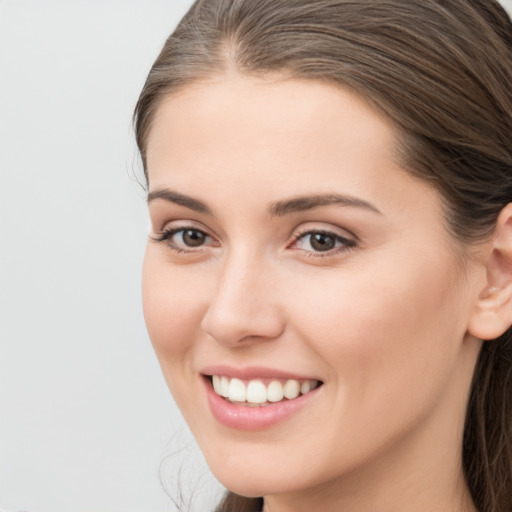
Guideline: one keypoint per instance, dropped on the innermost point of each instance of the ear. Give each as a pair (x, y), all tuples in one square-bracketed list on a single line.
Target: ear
[(493, 311)]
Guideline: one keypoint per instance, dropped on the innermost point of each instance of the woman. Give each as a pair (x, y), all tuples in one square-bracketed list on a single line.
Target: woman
[(328, 279)]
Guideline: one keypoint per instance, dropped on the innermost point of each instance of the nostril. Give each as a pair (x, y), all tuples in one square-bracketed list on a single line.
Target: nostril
[(233, 329), (242, 309)]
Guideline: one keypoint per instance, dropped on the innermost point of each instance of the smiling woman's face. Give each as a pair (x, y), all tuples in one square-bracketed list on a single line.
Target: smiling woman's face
[(296, 257)]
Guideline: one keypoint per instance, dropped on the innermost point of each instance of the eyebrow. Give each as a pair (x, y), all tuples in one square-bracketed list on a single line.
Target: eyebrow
[(277, 209), (300, 204), (180, 199)]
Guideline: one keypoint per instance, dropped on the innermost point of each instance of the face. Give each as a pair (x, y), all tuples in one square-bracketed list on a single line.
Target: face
[(294, 265)]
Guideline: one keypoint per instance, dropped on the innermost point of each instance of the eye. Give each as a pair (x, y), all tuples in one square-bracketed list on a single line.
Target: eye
[(322, 242), (184, 239), (191, 237)]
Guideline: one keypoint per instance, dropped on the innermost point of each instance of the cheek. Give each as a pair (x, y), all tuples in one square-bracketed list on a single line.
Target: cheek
[(172, 307), (380, 329), (172, 303)]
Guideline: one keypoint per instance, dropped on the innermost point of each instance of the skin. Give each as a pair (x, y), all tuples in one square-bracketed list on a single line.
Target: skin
[(383, 321)]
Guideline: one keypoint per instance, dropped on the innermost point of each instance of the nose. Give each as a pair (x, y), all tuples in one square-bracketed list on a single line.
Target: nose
[(244, 307)]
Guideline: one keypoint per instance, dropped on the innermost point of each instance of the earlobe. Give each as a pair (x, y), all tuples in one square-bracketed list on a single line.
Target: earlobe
[(492, 315)]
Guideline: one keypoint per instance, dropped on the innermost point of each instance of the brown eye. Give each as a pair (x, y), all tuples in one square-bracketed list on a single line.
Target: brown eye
[(193, 237), (185, 239), (322, 242), (317, 242)]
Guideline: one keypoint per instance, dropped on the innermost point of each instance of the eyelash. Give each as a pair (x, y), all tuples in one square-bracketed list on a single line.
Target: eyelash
[(346, 243), (166, 236)]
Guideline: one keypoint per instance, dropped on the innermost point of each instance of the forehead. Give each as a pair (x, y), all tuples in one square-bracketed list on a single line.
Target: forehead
[(265, 118)]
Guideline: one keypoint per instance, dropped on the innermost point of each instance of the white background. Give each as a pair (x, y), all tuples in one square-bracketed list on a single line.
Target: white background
[(85, 416)]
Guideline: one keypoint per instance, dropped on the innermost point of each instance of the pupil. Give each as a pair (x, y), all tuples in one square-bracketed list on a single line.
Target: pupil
[(321, 242), (193, 238)]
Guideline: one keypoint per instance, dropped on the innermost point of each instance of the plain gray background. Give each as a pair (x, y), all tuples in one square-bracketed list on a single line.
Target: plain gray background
[(85, 417)]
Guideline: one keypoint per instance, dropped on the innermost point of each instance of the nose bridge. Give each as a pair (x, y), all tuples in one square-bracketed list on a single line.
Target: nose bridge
[(243, 307)]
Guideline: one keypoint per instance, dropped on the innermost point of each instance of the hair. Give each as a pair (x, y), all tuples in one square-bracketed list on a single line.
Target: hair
[(441, 72)]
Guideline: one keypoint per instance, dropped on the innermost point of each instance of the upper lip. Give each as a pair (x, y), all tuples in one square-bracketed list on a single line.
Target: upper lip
[(253, 372)]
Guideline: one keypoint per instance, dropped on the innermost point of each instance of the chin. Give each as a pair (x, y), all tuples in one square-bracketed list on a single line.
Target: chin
[(260, 476), (254, 484)]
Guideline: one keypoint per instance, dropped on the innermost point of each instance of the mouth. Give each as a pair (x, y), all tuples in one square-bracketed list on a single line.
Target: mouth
[(256, 398), (260, 392)]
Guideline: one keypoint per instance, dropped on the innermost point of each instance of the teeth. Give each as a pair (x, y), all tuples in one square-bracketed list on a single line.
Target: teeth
[(237, 391), (224, 387), (305, 387), (275, 391), (291, 389), (256, 392), (216, 384)]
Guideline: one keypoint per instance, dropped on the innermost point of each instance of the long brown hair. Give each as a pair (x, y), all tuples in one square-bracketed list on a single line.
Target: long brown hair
[(441, 71)]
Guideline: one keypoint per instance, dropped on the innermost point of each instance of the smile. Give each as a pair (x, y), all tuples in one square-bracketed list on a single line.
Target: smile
[(261, 392)]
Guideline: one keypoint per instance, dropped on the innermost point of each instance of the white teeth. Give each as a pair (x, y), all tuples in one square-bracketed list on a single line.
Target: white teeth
[(275, 391), (237, 391), (256, 393), (216, 384), (291, 389), (305, 387), (224, 387)]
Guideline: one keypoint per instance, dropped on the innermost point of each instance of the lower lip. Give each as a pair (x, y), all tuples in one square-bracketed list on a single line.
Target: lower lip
[(242, 417)]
